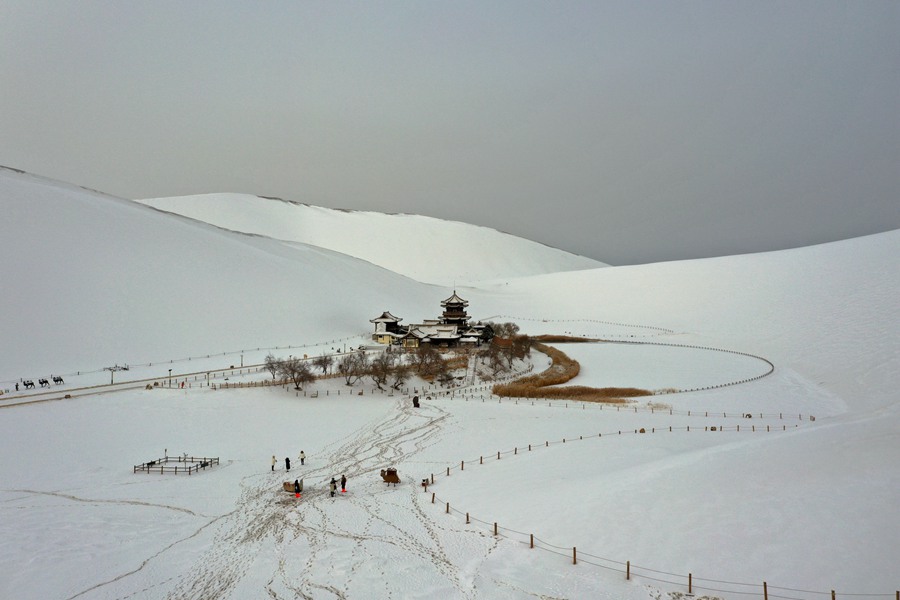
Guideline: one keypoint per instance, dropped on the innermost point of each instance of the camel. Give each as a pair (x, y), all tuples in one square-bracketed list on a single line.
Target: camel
[(390, 476)]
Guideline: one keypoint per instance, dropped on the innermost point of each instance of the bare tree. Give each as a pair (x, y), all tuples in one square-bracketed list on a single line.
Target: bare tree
[(428, 361), (399, 375), (272, 365), (323, 362), (504, 330), (494, 356), (380, 369), (353, 367), (298, 371), (445, 377), (520, 347)]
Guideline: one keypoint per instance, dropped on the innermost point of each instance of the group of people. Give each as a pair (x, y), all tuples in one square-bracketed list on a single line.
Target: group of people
[(287, 461), (297, 486), (334, 485)]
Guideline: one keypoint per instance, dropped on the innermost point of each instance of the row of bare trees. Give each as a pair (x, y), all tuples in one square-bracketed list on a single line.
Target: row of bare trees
[(394, 368), (294, 369)]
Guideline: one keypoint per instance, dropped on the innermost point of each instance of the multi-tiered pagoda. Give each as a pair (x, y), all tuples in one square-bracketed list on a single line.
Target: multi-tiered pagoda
[(452, 329)]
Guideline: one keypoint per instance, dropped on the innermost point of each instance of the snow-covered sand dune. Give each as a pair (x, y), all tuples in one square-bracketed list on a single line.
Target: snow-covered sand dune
[(423, 248), (807, 506)]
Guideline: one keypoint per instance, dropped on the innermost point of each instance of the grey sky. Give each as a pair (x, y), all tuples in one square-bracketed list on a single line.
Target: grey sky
[(627, 131)]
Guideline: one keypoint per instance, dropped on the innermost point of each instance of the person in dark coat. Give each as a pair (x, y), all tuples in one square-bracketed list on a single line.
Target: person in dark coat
[(343, 483), (297, 487), (333, 487), (287, 463)]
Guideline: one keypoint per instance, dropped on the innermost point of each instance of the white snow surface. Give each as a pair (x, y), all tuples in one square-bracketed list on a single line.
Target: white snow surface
[(94, 282), (423, 248)]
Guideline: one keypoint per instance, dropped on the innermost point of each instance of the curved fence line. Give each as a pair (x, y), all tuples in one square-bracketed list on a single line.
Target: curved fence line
[(756, 590), (639, 431), (217, 354), (709, 348), (659, 330), (653, 410)]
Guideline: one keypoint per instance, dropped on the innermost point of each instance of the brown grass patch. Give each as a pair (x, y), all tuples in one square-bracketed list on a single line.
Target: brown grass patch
[(552, 338), (561, 370)]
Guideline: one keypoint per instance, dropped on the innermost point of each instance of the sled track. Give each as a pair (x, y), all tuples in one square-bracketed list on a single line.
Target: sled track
[(372, 524)]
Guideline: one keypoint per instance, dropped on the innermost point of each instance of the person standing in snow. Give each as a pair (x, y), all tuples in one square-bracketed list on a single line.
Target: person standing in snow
[(302, 457), (333, 487), (297, 487), (287, 463), (273, 462), (343, 483)]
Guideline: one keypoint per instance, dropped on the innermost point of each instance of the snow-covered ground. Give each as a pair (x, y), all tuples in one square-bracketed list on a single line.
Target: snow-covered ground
[(807, 506)]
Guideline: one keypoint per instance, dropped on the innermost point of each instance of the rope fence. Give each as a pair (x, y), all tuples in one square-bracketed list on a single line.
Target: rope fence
[(628, 569), (690, 582), (653, 410)]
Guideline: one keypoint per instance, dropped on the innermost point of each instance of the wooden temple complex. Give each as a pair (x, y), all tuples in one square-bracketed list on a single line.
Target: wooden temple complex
[(451, 330)]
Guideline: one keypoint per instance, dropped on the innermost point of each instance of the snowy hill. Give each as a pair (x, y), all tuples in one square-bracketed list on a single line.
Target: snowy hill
[(94, 280), (807, 506), (426, 249)]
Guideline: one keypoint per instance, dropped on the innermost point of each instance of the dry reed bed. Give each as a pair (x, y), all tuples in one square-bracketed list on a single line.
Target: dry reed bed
[(563, 369)]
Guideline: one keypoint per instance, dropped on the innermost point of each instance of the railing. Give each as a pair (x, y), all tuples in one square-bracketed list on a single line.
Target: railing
[(183, 464), (693, 584)]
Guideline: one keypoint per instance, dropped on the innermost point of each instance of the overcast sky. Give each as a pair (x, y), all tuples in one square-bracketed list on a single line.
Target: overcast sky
[(626, 131)]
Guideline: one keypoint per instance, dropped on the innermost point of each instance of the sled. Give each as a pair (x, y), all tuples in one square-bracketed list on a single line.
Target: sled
[(288, 486)]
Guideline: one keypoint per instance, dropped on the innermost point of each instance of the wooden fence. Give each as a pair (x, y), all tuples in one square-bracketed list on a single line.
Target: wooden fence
[(693, 584), (182, 464)]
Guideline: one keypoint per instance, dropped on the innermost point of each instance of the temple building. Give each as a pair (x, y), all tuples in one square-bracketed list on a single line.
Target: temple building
[(451, 330)]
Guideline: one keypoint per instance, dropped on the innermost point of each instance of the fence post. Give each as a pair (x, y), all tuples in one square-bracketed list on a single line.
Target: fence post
[(448, 471), (574, 556), (690, 583), (467, 518), (432, 497), (462, 465), (495, 527), (765, 591), (448, 508), (628, 570), (532, 540), (498, 455)]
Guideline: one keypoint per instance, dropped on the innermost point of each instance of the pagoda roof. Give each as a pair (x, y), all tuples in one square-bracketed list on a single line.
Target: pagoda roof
[(414, 333), (445, 334), (386, 317), (454, 299)]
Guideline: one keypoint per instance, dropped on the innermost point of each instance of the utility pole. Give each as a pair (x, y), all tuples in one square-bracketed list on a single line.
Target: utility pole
[(112, 370)]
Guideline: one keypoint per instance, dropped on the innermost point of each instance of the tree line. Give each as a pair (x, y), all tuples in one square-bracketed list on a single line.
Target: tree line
[(393, 368)]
